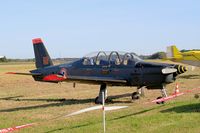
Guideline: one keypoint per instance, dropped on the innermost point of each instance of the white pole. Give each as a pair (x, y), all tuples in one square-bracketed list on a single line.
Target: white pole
[(104, 114)]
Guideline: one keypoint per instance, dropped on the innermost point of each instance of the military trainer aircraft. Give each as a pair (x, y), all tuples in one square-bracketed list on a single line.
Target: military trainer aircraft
[(105, 69)]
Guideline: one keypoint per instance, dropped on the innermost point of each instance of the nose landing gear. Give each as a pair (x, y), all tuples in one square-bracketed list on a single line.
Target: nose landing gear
[(164, 94)]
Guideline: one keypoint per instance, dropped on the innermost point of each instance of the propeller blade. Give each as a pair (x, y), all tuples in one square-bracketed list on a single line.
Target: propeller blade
[(168, 70)]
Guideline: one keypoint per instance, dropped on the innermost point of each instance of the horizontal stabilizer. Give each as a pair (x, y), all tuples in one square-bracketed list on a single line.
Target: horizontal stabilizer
[(18, 73)]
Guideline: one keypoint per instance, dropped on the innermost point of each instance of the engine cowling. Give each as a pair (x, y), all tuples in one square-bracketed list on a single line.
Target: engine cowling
[(172, 77)]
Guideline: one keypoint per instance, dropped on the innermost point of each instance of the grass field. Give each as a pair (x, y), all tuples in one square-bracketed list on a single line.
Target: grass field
[(22, 100)]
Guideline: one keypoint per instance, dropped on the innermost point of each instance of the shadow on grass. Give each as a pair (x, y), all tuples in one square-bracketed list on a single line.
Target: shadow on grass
[(192, 76), (10, 98), (184, 108), (60, 129), (137, 113), (39, 99), (19, 98), (111, 98), (120, 96), (55, 130), (121, 117), (56, 102)]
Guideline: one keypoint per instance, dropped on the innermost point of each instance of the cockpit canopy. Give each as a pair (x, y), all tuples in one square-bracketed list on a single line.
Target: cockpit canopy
[(110, 58)]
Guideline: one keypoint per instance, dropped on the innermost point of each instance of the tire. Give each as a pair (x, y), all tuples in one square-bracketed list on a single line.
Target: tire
[(96, 100), (160, 102), (135, 96)]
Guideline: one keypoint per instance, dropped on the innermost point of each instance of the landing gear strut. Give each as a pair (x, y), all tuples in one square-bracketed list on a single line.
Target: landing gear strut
[(164, 94), (136, 95), (98, 99)]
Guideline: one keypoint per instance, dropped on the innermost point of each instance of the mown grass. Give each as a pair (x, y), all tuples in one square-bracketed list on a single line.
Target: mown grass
[(23, 100)]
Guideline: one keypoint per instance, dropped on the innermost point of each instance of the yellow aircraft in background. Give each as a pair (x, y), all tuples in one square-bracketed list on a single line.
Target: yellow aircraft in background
[(191, 57)]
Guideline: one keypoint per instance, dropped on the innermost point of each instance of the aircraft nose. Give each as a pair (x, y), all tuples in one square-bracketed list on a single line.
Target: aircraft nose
[(180, 69)]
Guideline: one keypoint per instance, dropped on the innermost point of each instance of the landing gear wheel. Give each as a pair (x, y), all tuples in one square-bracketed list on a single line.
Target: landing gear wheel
[(108, 100), (135, 96), (160, 102), (96, 101)]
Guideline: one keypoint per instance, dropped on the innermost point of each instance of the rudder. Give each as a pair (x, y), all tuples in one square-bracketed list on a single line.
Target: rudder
[(173, 52), (42, 58)]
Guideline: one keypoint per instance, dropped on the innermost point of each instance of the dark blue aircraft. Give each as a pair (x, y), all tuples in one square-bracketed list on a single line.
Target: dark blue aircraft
[(105, 69)]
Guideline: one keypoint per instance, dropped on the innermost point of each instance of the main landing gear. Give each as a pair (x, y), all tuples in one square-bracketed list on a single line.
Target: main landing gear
[(136, 95), (98, 99)]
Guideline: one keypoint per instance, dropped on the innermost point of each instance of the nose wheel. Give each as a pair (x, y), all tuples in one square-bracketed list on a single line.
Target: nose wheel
[(160, 102), (164, 94)]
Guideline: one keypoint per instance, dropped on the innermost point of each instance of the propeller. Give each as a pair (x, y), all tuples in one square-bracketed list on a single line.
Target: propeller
[(180, 69)]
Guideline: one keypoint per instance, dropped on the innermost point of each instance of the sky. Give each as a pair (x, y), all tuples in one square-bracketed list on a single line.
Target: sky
[(73, 28)]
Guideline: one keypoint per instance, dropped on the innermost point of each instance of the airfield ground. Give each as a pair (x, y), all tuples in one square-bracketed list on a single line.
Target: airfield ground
[(22, 101)]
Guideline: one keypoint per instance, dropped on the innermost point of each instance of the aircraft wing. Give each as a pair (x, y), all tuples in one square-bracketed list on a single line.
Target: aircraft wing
[(78, 78), (97, 79)]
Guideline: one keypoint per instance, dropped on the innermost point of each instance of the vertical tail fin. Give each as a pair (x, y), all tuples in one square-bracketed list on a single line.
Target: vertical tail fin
[(173, 52), (42, 58)]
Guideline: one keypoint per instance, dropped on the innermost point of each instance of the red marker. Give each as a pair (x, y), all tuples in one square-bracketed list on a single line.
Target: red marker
[(11, 129), (167, 98)]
